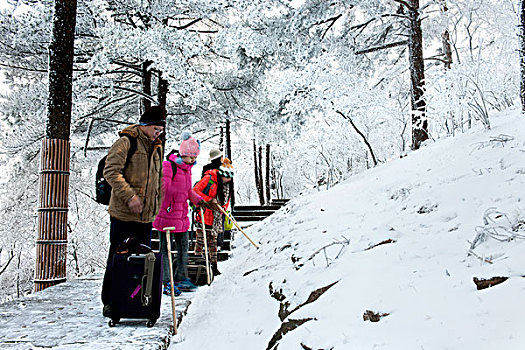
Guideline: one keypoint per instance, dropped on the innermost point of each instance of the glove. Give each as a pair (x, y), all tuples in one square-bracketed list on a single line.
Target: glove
[(212, 204)]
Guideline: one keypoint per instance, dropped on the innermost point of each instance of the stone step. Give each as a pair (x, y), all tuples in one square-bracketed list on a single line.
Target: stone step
[(222, 255), (279, 202), (265, 213), (250, 218), (256, 207), (226, 245)]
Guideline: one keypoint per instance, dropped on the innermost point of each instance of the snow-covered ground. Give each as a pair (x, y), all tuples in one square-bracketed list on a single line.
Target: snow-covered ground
[(446, 214), (433, 205), (69, 316)]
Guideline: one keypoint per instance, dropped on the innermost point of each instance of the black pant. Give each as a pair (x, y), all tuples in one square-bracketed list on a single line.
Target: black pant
[(220, 239), (118, 232)]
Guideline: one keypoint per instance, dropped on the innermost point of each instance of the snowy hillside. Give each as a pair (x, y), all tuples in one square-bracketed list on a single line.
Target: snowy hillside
[(427, 209)]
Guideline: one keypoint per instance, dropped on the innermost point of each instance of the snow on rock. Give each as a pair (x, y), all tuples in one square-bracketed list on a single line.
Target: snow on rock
[(403, 240)]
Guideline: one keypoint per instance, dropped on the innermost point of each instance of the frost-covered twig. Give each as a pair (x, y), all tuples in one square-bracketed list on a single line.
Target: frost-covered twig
[(479, 257), (493, 228), (343, 242), (500, 139)]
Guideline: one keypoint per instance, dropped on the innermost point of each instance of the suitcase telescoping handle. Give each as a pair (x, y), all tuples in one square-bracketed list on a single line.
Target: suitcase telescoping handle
[(136, 258)]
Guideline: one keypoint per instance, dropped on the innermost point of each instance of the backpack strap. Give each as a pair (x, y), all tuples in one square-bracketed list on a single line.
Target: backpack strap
[(206, 190), (173, 168), (131, 150)]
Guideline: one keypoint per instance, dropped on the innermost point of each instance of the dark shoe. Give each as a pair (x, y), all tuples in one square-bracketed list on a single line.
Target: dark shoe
[(215, 270), (106, 311)]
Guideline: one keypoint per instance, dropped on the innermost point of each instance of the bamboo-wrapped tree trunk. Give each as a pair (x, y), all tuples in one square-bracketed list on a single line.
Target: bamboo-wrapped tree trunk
[(51, 244)]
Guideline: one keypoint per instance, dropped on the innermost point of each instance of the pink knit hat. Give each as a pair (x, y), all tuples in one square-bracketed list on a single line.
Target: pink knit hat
[(189, 146)]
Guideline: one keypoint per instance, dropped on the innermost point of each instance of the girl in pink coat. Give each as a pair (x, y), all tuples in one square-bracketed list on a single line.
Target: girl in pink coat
[(177, 190)]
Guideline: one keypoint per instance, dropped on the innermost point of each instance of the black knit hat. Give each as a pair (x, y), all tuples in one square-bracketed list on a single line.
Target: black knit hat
[(155, 115)]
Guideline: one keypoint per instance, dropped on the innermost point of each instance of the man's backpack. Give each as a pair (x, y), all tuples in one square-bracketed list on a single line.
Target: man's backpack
[(102, 187)]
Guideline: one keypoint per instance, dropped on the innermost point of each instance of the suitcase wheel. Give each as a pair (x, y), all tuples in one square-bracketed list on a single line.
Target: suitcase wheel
[(151, 323), (113, 322)]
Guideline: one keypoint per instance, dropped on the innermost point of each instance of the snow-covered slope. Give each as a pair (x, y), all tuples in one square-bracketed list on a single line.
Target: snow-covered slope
[(432, 205)]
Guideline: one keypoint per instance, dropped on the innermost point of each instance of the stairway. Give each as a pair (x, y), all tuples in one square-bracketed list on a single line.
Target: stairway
[(247, 215), (221, 255)]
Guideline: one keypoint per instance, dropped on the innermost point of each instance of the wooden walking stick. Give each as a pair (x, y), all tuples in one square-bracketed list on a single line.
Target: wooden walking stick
[(208, 273), (237, 225), (172, 285)]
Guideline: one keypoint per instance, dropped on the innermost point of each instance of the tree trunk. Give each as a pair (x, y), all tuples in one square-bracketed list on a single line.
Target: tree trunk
[(228, 148), (146, 86), (221, 139), (51, 244), (278, 184), (445, 40), (61, 49), (447, 49), (522, 53), (258, 185), (261, 181), (267, 182), (228, 154), (162, 91), (417, 76)]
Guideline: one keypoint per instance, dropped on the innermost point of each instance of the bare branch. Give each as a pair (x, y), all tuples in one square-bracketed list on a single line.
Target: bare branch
[(360, 134), (377, 48), (11, 257), (331, 20), (23, 68), (138, 93), (136, 67), (187, 25)]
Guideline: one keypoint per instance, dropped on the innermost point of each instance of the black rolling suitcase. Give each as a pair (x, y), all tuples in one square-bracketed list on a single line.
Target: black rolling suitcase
[(136, 287)]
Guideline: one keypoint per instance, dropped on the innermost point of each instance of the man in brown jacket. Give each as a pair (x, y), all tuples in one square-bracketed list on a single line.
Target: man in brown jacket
[(136, 186)]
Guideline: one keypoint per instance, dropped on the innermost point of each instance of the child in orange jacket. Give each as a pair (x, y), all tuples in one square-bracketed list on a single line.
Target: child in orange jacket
[(215, 184)]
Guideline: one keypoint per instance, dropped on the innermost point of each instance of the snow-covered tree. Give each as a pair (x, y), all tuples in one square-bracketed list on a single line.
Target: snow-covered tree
[(303, 76), (522, 52)]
